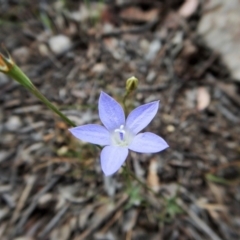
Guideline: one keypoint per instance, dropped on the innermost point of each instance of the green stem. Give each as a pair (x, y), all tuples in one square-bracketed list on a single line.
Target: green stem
[(127, 171), (124, 102), (138, 180), (52, 107), (17, 74)]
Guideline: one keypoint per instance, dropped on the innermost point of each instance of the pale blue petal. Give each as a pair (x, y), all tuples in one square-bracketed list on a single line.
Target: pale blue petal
[(110, 112), (141, 116), (147, 143), (112, 158), (92, 133)]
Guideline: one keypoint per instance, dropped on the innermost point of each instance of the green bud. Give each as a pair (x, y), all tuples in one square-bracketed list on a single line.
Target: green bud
[(8, 67), (131, 84), (5, 64)]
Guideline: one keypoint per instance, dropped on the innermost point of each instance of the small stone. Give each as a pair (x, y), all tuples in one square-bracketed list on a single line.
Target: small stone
[(139, 96), (59, 43), (99, 68), (13, 123), (170, 128), (154, 47), (62, 151), (43, 49), (45, 199), (4, 155), (178, 38), (144, 45), (151, 76), (219, 27)]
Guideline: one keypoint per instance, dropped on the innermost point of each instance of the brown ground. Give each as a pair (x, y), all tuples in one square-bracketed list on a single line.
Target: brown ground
[(51, 185)]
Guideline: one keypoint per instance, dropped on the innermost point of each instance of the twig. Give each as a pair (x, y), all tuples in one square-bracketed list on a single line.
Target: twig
[(53, 222), (205, 228), (93, 227), (21, 202), (154, 88), (30, 209), (134, 30)]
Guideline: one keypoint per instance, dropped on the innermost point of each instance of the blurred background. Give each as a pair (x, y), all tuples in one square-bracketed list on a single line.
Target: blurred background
[(185, 53)]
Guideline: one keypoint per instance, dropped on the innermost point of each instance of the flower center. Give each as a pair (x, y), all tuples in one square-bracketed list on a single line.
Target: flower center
[(121, 132), (121, 137)]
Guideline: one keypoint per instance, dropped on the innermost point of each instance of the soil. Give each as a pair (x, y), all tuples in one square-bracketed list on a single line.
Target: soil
[(52, 186)]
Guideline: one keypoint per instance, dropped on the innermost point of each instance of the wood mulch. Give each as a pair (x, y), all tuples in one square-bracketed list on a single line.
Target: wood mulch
[(51, 185)]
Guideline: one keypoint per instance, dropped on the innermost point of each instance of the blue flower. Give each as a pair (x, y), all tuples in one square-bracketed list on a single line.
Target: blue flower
[(119, 135)]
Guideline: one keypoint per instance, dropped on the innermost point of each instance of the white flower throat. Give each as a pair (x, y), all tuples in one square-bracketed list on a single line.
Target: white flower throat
[(121, 137)]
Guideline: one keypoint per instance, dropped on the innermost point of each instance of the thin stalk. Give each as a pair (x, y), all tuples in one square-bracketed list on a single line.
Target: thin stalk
[(124, 102), (137, 179), (35, 91), (8, 67), (127, 170)]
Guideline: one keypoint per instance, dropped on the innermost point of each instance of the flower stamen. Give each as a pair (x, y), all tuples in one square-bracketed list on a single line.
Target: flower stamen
[(121, 132)]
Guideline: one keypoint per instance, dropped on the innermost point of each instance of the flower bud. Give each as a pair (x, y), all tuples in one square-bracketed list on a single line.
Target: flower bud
[(5, 64), (131, 84), (8, 67)]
